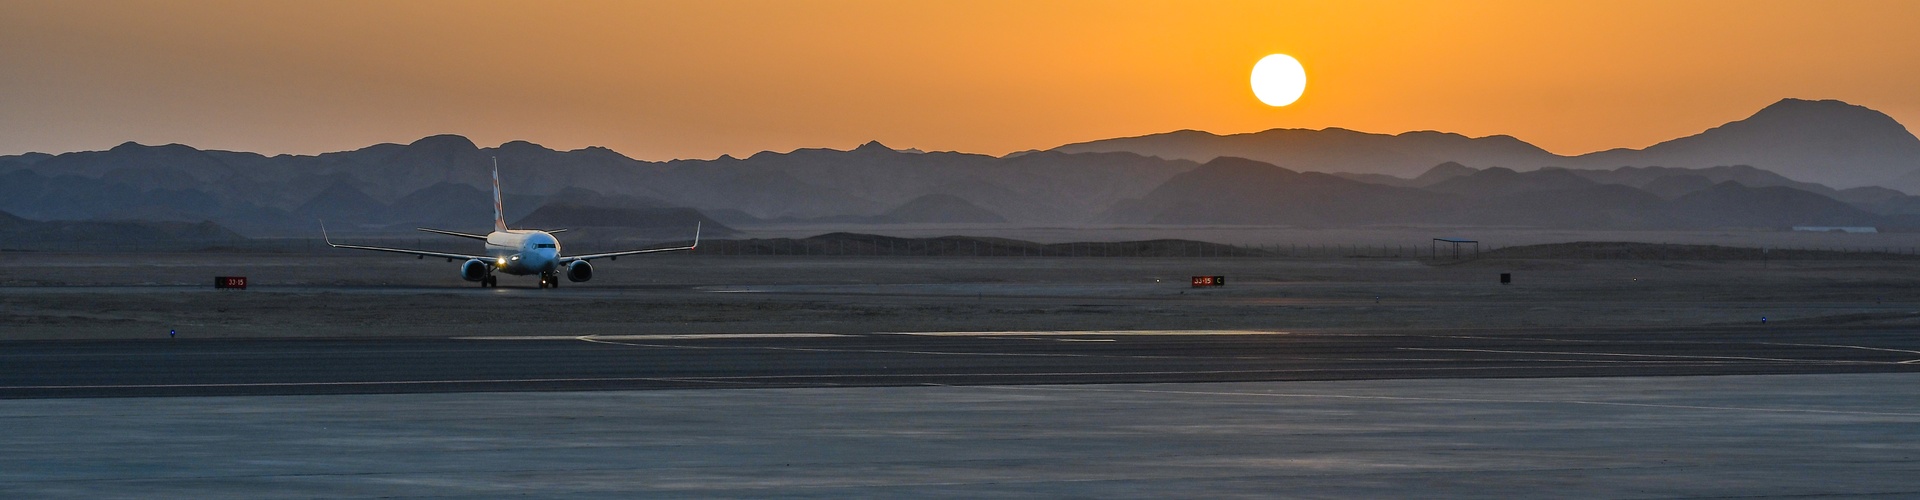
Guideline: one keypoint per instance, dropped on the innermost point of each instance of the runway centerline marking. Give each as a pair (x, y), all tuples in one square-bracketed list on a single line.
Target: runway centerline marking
[(1041, 333), (735, 379), (1679, 362), (597, 340), (1675, 356), (1841, 346), (1597, 341), (665, 336), (1440, 400)]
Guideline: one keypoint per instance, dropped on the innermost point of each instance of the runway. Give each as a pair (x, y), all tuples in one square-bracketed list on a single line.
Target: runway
[(1773, 436), (547, 361)]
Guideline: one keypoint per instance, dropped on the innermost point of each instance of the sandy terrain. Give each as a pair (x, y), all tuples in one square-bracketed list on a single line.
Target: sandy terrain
[(117, 295)]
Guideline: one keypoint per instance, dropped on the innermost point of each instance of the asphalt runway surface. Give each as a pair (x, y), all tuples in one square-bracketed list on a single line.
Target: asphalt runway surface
[(533, 361)]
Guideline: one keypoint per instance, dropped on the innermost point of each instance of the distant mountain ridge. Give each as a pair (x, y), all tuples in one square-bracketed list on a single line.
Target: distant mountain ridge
[(1239, 191), (444, 180), (1332, 150), (629, 221), (1415, 178), (1824, 141), (1827, 141), (22, 234)]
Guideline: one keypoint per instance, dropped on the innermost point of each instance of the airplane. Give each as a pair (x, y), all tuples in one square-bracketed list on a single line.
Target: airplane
[(518, 252)]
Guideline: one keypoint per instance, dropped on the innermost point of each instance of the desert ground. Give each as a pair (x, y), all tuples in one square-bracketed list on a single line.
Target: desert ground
[(125, 295), (351, 375)]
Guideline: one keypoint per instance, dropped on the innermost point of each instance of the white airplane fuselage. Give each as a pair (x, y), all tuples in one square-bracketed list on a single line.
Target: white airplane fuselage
[(521, 252)]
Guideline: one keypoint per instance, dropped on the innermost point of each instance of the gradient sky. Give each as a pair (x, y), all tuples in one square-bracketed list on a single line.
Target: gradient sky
[(659, 80)]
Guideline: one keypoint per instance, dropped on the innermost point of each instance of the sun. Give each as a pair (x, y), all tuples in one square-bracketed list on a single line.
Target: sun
[(1278, 80)]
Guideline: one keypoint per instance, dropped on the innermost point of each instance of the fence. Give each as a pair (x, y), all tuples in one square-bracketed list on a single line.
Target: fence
[(885, 246)]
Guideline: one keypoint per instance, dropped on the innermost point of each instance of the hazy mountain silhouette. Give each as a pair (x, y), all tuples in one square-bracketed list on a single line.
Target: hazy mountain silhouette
[(1743, 174), (1829, 142), (1442, 172), (1435, 175), (1730, 204), (1240, 191), (451, 206), (343, 203), (1333, 149), (1498, 181), (941, 208), (1411, 178), (1381, 179), (1675, 186), (18, 233), (655, 221), (870, 179), (10, 221), (444, 180), (1573, 206), (1665, 182), (1909, 183)]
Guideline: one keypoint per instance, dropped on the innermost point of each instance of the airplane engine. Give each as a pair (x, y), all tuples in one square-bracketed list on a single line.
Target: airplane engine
[(473, 270), (579, 271)]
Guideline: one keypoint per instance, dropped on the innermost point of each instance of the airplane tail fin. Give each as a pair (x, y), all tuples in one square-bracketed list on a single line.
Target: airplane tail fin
[(499, 214)]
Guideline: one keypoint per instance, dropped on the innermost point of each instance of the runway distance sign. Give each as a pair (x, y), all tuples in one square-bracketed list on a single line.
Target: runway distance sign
[(1205, 281), (234, 282)]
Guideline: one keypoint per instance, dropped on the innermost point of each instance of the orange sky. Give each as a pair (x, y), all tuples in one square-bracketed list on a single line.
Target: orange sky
[(698, 79)]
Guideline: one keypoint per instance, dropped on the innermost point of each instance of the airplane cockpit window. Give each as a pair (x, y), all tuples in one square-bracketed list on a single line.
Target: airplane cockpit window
[(545, 245)]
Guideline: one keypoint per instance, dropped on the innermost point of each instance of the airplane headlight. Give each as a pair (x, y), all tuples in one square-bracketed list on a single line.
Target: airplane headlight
[(500, 261)]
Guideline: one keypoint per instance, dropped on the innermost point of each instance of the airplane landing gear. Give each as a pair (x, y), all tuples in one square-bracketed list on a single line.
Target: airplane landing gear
[(549, 281), (489, 282)]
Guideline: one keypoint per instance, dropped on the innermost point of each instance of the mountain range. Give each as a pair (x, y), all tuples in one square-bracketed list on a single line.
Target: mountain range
[(1239, 191), (1828, 142), (1783, 166)]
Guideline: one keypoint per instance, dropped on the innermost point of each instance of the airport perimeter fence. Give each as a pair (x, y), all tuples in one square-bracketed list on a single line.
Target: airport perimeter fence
[(968, 247), (989, 247), (784, 247)]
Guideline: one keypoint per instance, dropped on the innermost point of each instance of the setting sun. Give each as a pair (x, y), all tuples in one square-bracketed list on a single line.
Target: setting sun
[(1278, 80)]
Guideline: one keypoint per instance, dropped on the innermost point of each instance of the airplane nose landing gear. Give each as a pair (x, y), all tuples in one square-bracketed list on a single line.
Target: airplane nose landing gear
[(549, 280)]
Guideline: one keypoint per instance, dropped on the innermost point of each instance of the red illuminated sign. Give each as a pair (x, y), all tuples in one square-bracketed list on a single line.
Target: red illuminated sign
[(236, 282), (1200, 281)]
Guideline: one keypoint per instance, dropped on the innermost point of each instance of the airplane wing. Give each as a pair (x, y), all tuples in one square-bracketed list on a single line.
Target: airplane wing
[(591, 256), (481, 237), (423, 253), (453, 233)]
